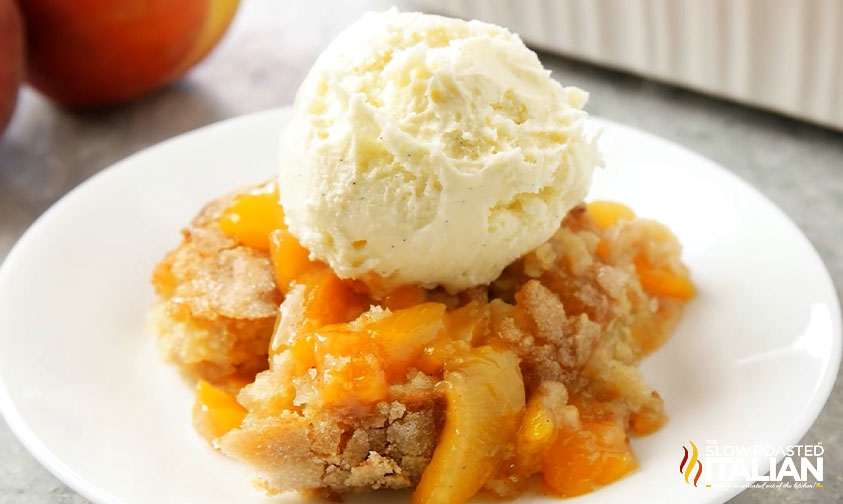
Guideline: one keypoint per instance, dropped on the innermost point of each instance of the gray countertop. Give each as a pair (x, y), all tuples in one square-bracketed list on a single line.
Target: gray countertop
[(259, 64)]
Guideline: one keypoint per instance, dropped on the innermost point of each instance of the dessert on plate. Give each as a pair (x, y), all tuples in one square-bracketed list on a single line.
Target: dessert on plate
[(421, 298)]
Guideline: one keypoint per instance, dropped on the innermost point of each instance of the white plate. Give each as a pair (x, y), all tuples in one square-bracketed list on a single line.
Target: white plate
[(82, 387)]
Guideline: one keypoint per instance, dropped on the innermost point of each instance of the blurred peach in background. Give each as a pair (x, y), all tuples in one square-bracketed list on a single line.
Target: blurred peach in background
[(92, 53)]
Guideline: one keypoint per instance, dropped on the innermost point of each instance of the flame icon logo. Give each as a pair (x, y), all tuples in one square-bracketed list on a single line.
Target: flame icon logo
[(687, 466)]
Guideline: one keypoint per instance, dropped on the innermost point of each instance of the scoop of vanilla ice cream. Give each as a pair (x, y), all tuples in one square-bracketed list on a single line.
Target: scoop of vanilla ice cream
[(433, 151)]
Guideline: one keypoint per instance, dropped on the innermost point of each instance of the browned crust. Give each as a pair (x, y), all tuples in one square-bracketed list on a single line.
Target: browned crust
[(217, 300), (573, 319)]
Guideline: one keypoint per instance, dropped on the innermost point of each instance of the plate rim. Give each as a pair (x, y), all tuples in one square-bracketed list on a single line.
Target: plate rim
[(8, 410), (78, 483)]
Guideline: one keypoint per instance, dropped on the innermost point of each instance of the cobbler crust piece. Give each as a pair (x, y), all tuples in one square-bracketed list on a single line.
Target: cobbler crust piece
[(217, 301), (576, 312)]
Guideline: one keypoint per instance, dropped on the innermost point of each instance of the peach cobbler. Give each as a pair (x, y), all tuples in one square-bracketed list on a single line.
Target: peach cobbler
[(422, 299)]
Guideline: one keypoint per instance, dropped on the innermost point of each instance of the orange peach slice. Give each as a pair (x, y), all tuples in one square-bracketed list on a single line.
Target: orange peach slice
[(580, 460), (215, 412), (485, 395), (606, 214), (253, 216)]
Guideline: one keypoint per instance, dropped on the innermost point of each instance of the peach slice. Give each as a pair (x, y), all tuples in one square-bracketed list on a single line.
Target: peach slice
[(606, 214), (485, 401), (580, 460), (289, 259), (357, 361), (538, 431), (215, 412), (662, 282), (252, 216), (329, 299), (405, 297), (463, 326)]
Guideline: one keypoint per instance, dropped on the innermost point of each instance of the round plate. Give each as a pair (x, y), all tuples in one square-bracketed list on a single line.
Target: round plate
[(752, 362)]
